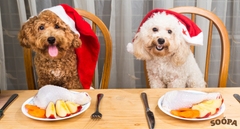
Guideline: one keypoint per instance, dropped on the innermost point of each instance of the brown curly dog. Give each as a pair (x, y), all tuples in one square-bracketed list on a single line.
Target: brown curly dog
[(54, 43)]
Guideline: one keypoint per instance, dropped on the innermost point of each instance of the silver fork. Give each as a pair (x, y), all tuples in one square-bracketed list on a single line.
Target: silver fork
[(97, 114)]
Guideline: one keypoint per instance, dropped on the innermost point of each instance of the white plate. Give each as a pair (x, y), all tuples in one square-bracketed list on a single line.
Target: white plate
[(221, 110), (30, 101)]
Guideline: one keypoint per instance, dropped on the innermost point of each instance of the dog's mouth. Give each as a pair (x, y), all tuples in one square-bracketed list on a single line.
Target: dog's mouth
[(53, 50), (159, 47)]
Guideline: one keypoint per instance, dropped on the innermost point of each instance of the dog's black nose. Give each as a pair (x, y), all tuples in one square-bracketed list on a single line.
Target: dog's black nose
[(51, 40), (161, 41)]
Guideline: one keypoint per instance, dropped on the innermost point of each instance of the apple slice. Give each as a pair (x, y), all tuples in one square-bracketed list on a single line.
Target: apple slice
[(204, 113), (213, 110), (61, 109), (73, 107), (211, 106), (50, 111), (215, 104)]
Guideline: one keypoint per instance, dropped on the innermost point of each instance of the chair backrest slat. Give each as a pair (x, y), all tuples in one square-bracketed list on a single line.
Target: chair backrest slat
[(208, 51), (27, 52), (94, 27), (193, 18), (146, 74), (94, 30)]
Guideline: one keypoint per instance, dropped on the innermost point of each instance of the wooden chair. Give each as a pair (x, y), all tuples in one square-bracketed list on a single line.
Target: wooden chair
[(108, 53), (225, 47)]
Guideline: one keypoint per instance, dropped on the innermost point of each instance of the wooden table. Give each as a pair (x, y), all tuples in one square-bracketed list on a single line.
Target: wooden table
[(121, 109)]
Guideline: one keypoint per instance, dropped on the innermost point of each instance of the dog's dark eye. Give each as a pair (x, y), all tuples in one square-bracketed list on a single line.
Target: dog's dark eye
[(169, 31), (41, 28), (57, 27), (155, 29)]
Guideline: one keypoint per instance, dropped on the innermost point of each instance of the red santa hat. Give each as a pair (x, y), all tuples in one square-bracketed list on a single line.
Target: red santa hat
[(87, 54), (190, 31)]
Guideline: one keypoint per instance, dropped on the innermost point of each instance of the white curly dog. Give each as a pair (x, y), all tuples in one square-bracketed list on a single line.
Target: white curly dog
[(169, 60)]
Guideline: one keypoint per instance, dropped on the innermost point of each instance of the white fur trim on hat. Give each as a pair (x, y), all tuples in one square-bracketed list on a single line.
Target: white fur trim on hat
[(196, 40), (130, 48), (60, 12)]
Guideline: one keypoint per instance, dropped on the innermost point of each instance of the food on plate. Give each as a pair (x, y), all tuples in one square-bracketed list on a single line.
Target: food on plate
[(52, 98), (205, 109), (175, 100), (35, 111), (191, 104), (208, 108), (186, 113), (40, 113), (73, 107), (31, 107), (51, 111), (61, 109), (52, 93)]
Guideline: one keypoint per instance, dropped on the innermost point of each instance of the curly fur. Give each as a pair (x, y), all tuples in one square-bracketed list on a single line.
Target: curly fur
[(60, 70), (170, 64)]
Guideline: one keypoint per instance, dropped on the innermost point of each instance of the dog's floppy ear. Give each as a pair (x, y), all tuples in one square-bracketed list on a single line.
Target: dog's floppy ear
[(139, 50), (181, 55), (76, 43), (25, 36)]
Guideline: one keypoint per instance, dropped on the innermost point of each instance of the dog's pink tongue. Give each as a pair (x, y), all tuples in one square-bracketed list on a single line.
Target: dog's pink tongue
[(53, 51)]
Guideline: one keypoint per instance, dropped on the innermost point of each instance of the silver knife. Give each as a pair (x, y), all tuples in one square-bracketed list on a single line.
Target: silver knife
[(149, 114), (237, 97), (7, 103)]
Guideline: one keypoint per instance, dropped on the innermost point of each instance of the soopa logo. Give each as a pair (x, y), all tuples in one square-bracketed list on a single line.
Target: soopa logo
[(223, 121)]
